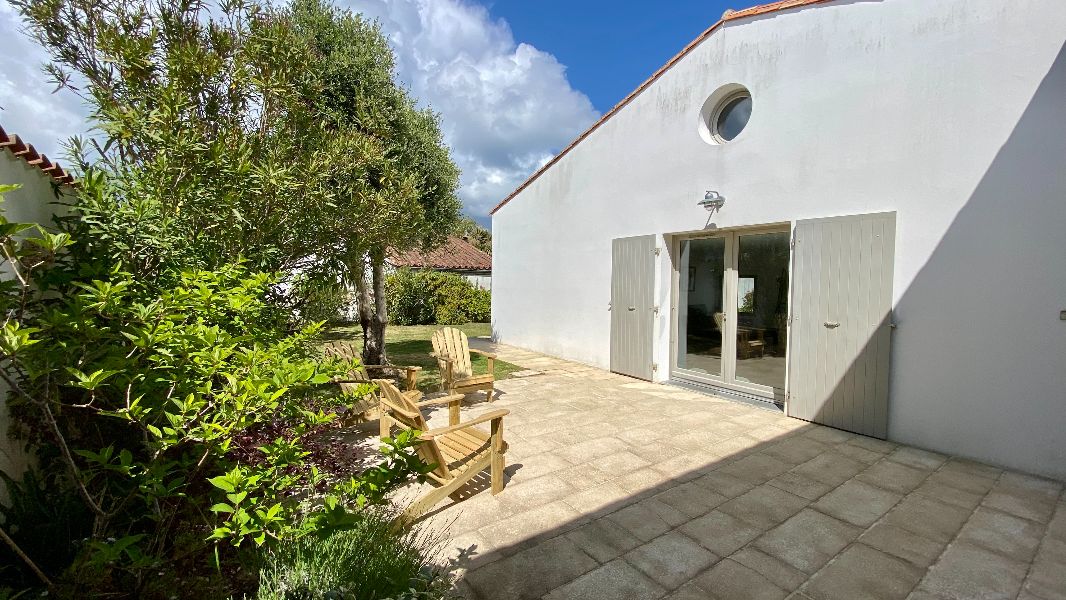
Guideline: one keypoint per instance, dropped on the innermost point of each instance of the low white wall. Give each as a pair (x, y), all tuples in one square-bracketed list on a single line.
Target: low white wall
[(950, 113), (34, 202), (480, 281)]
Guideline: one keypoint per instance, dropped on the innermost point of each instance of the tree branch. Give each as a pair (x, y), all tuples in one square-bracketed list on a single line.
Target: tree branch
[(61, 442), (26, 559)]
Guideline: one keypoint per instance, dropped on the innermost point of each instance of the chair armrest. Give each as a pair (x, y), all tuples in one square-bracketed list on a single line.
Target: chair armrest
[(411, 372), (439, 357), (490, 416), (441, 400), (482, 353), (393, 367)]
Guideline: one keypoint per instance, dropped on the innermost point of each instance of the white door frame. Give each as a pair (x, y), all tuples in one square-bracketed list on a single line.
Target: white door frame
[(729, 336)]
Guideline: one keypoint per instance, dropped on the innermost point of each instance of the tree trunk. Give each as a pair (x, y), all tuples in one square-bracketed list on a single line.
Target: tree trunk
[(374, 330), (365, 305)]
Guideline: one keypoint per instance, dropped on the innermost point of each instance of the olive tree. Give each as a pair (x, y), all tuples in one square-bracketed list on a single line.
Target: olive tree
[(406, 195)]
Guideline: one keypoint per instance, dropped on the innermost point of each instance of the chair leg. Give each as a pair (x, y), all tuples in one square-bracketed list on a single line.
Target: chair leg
[(425, 503), (453, 413), (491, 392), (384, 423), (496, 451)]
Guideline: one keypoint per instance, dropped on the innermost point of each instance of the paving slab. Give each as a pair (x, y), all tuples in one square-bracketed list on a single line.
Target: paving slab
[(604, 540), (1047, 575), (671, 559), (857, 502), (1002, 532), (613, 581), (729, 580), (966, 571), (764, 506), (863, 573), (531, 573), (911, 547), (808, 540), (721, 532)]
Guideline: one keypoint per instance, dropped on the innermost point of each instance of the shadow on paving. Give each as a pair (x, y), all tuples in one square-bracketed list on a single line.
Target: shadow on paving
[(807, 508)]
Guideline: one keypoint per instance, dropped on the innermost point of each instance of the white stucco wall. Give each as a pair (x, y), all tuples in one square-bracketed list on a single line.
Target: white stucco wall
[(951, 113), (34, 202)]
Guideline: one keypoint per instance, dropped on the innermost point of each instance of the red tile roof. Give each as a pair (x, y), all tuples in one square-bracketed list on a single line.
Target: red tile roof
[(29, 154), (456, 254), (729, 16)]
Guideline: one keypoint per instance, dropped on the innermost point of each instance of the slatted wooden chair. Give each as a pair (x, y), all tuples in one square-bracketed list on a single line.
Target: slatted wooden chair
[(348, 351), (459, 452), (452, 350), (360, 376)]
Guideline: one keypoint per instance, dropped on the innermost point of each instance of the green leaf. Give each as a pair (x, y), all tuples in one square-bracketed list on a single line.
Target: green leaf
[(223, 483)]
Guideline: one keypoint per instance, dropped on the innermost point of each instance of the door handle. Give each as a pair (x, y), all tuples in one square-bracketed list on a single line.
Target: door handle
[(832, 324), (632, 308)]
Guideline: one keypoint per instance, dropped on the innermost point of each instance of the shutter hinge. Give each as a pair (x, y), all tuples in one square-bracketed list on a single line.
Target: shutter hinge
[(655, 309), (792, 244), (657, 251), (654, 367)]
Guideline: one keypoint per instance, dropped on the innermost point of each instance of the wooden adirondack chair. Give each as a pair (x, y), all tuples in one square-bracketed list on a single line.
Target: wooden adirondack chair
[(357, 376), (452, 350), (348, 351), (459, 451)]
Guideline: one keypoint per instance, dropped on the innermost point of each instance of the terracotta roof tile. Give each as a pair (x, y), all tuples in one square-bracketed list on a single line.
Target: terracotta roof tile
[(20, 149), (729, 16), (456, 254)]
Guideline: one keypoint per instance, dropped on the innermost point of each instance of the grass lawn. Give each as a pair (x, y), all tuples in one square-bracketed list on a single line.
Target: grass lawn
[(410, 345)]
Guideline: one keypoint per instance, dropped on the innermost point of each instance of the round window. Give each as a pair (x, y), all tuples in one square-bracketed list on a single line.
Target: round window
[(732, 116)]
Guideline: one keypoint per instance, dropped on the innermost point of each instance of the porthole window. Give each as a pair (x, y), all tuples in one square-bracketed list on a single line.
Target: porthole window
[(725, 114), (732, 117)]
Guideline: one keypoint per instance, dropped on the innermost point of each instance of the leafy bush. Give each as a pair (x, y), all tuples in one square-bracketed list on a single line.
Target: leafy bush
[(151, 401), (410, 299), (434, 297), (368, 560)]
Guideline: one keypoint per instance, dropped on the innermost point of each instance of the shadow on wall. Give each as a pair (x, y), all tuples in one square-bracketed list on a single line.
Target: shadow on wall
[(979, 359)]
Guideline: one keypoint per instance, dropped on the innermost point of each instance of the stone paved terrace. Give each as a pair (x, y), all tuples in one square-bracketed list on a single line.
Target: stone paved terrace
[(620, 489)]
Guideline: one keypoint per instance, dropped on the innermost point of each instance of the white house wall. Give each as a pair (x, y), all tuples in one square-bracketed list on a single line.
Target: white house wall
[(950, 113), (34, 202)]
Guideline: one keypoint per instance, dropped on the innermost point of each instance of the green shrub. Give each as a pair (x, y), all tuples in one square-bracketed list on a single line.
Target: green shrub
[(369, 560), (433, 297), (182, 415), (409, 298)]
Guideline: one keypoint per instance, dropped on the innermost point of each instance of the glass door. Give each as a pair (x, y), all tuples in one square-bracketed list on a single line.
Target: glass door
[(701, 311), (732, 310)]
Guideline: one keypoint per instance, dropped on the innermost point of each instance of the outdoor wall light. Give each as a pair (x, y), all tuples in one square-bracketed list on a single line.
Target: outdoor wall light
[(712, 201)]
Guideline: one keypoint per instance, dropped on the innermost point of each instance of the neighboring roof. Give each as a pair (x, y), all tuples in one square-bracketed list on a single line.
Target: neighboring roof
[(728, 16), (456, 254), (26, 152)]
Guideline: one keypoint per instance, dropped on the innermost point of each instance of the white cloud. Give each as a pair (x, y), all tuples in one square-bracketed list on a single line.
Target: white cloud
[(506, 107), (30, 109)]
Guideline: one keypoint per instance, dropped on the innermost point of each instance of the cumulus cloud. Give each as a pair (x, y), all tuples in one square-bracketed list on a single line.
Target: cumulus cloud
[(507, 107), (30, 109)]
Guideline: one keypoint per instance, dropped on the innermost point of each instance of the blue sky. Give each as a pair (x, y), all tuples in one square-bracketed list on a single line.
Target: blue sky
[(513, 80), (609, 48)]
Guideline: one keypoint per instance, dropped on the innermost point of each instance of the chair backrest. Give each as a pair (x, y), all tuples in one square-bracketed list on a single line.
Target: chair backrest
[(408, 416), (719, 320), (452, 343), (347, 351)]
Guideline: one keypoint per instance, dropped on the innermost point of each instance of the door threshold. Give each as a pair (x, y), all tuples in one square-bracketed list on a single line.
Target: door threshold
[(728, 394)]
